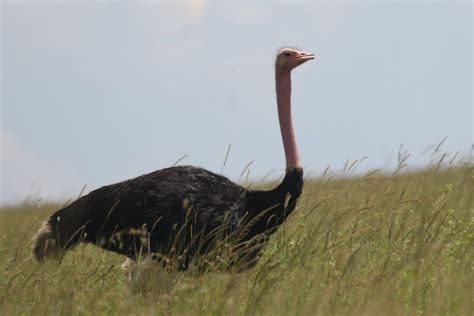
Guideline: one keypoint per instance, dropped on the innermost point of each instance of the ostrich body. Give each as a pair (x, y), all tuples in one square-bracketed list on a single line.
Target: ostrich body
[(180, 211)]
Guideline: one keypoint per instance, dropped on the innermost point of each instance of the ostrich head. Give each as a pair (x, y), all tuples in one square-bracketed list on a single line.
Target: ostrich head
[(289, 58)]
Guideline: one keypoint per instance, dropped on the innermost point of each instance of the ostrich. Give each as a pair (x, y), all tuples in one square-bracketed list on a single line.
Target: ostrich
[(181, 211)]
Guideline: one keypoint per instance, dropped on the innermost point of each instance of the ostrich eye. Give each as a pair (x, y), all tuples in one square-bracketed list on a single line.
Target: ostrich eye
[(288, 54)]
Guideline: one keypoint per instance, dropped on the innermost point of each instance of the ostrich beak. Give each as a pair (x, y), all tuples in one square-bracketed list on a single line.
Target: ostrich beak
[(304, 56)]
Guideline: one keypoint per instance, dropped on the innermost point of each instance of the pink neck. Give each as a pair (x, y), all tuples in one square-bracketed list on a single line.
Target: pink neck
[(283, 92)]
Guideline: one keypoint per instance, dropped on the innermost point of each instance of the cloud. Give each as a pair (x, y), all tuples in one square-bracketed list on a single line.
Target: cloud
[(25, 175), (169, 19), (256, 15), (196, 9)]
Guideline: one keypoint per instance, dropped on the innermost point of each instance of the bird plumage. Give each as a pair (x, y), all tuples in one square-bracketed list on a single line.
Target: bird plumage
[(155, 214)]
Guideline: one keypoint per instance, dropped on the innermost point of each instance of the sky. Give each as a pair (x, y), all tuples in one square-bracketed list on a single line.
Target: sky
[(94, 93)]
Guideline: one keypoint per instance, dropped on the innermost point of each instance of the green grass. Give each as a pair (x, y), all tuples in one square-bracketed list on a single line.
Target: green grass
[(399, 244)]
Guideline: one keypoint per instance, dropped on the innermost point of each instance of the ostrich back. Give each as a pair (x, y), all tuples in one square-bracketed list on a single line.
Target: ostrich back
[(159, 204)]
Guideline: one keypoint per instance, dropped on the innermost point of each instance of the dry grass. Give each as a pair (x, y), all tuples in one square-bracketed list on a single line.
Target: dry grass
[(399, 244)]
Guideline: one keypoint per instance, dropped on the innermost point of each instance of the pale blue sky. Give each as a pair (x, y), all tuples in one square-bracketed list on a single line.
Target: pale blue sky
[(95, 93)]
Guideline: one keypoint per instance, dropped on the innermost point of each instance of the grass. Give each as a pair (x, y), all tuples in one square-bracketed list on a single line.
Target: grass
[(398, 244)]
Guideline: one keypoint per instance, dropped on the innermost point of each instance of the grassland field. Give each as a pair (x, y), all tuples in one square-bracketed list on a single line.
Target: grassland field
[(376, 244)]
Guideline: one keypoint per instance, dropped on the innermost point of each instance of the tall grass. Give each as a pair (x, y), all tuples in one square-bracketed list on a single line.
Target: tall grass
[(398, 244)]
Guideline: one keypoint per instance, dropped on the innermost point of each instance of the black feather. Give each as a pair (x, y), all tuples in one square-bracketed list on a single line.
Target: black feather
[(176, 212)]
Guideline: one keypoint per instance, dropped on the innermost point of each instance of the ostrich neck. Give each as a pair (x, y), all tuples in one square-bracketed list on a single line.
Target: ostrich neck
[(283, 92)]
